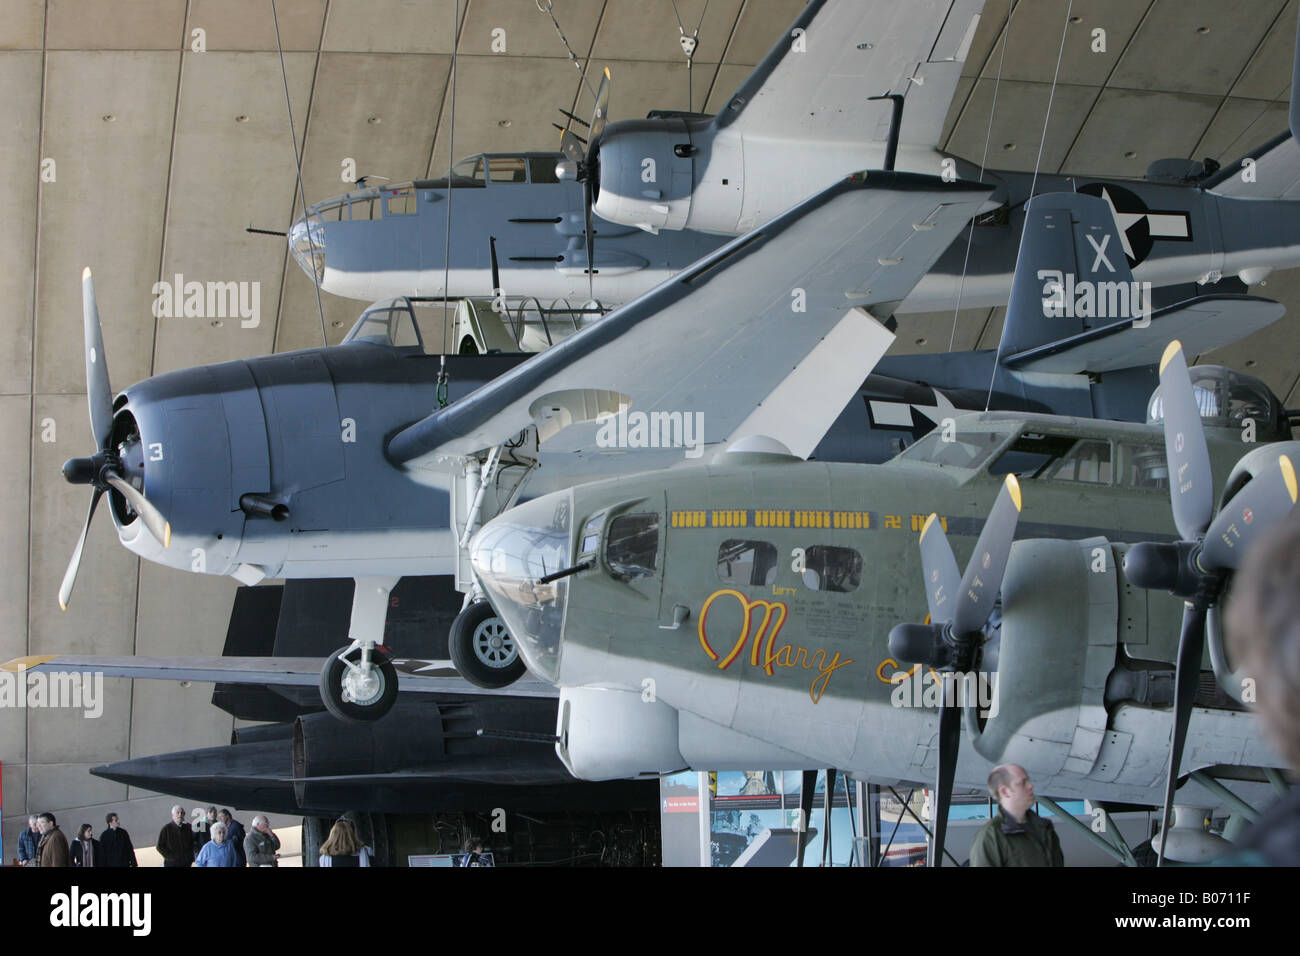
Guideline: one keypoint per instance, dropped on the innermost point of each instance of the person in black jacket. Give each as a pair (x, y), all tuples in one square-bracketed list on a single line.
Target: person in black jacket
[(116, 844), (86, 851), (176, 840)]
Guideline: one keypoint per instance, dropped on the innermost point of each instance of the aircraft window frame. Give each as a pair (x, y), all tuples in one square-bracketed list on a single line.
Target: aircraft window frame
[(1142, 465), (1045, 455), (507, 169), (394, 325), (970, 450), (470, 168), (640, 561), (355, 206), (401, 202), (848, 574), (729, 553), (593, 530)]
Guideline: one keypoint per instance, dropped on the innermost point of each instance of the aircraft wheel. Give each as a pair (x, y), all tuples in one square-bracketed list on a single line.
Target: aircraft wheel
[(482, 649), (356, 698)]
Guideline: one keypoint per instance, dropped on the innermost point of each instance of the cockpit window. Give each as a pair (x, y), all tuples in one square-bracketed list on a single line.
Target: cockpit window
[(590, 539), (827, 568), (632, 546), (751, 563), (1058, 457), (507, 169), (964, 450), (401, 201), (390, 322)]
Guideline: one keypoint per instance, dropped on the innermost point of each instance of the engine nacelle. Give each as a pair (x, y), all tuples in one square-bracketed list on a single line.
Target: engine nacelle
[(646, 174), (615, 734)]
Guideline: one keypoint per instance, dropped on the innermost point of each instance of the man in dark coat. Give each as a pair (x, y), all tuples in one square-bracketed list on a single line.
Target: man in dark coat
[(176, 841), (54, 845), (234, 835), (1016, 836), (116, 844)]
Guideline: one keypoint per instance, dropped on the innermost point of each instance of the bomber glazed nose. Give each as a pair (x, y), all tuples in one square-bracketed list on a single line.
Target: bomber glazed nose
[(514, 557)]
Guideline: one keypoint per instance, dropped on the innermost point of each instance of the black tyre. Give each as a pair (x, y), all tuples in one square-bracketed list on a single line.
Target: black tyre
[(379, 699), (482, 649)]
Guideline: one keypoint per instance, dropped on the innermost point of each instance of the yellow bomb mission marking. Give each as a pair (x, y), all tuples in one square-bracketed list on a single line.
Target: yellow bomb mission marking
[(768, 656)]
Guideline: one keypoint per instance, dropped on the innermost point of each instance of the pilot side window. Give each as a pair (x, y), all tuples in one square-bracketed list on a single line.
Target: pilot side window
[(507, 169), (1143, 465), (750, 563), (828, 568), (1058, 457), (632, 545)]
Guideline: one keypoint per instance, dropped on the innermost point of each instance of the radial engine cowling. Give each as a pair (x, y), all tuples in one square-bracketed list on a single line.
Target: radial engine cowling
[(646, 174)]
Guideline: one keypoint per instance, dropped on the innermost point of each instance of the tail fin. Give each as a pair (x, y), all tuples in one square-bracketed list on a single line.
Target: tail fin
[(1075, 307)]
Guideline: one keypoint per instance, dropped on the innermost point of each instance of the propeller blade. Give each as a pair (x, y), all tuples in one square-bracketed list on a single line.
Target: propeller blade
[(70, 575), (1187, 678), (572, 148), (600, 114), (496, 268), (949, 740), (1191, 483), (153, 520), (942, 578), (99, 394), (587, 199), (983, 578), (1264, 501), (807, 786)]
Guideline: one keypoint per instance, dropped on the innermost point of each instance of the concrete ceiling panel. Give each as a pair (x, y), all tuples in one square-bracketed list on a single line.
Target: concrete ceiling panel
[(115, 25), (1018, 124), (378, 110), (24, 24), (232, 167), (1268, 75), (639, 87), (649, 31), (13, 744), (247, 24), (988, 38), (74, 795), (20, 78), (63, 735), (101, 615), (15, 515), (728, 79), (528, 32), (1034, 40), (1240, 126), (760, 24), (923, 332), (526, 93), (1151, 126), (112, 143), (1194, 46), (299, 324), (14, 795), (392, 26)]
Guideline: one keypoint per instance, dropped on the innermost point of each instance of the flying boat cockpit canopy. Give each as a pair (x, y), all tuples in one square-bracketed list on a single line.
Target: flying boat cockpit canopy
[(388, 322), (1229, 399)]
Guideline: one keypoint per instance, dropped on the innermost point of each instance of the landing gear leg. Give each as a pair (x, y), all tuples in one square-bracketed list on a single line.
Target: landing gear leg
[(359, 683)]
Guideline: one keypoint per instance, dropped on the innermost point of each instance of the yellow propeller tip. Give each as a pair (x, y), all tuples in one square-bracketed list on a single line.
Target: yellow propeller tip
[(928, 521), (62, 606), (1288, 475), (85, 273), (1171, 350), (167, 535), (607, 76), (1013, 486)]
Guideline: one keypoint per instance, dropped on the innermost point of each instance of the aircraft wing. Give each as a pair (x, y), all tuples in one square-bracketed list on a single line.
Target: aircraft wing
[(1275, 173), (768, 335), (813, 86), (414, 675)]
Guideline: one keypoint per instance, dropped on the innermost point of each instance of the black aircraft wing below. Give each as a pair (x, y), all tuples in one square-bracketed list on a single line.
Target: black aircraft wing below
[(414, 675), (771, 335)]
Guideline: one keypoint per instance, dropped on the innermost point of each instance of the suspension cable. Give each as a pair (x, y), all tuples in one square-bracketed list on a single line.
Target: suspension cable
[(297, 164)]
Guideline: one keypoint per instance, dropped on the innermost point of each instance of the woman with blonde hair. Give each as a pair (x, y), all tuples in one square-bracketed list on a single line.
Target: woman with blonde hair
[(343, 847)]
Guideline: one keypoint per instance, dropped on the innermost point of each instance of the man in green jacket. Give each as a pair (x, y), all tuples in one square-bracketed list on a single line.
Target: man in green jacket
[(1016, 836)]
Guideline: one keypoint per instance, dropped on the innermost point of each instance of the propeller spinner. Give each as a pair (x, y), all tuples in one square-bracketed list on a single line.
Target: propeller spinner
[(105, 469)]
